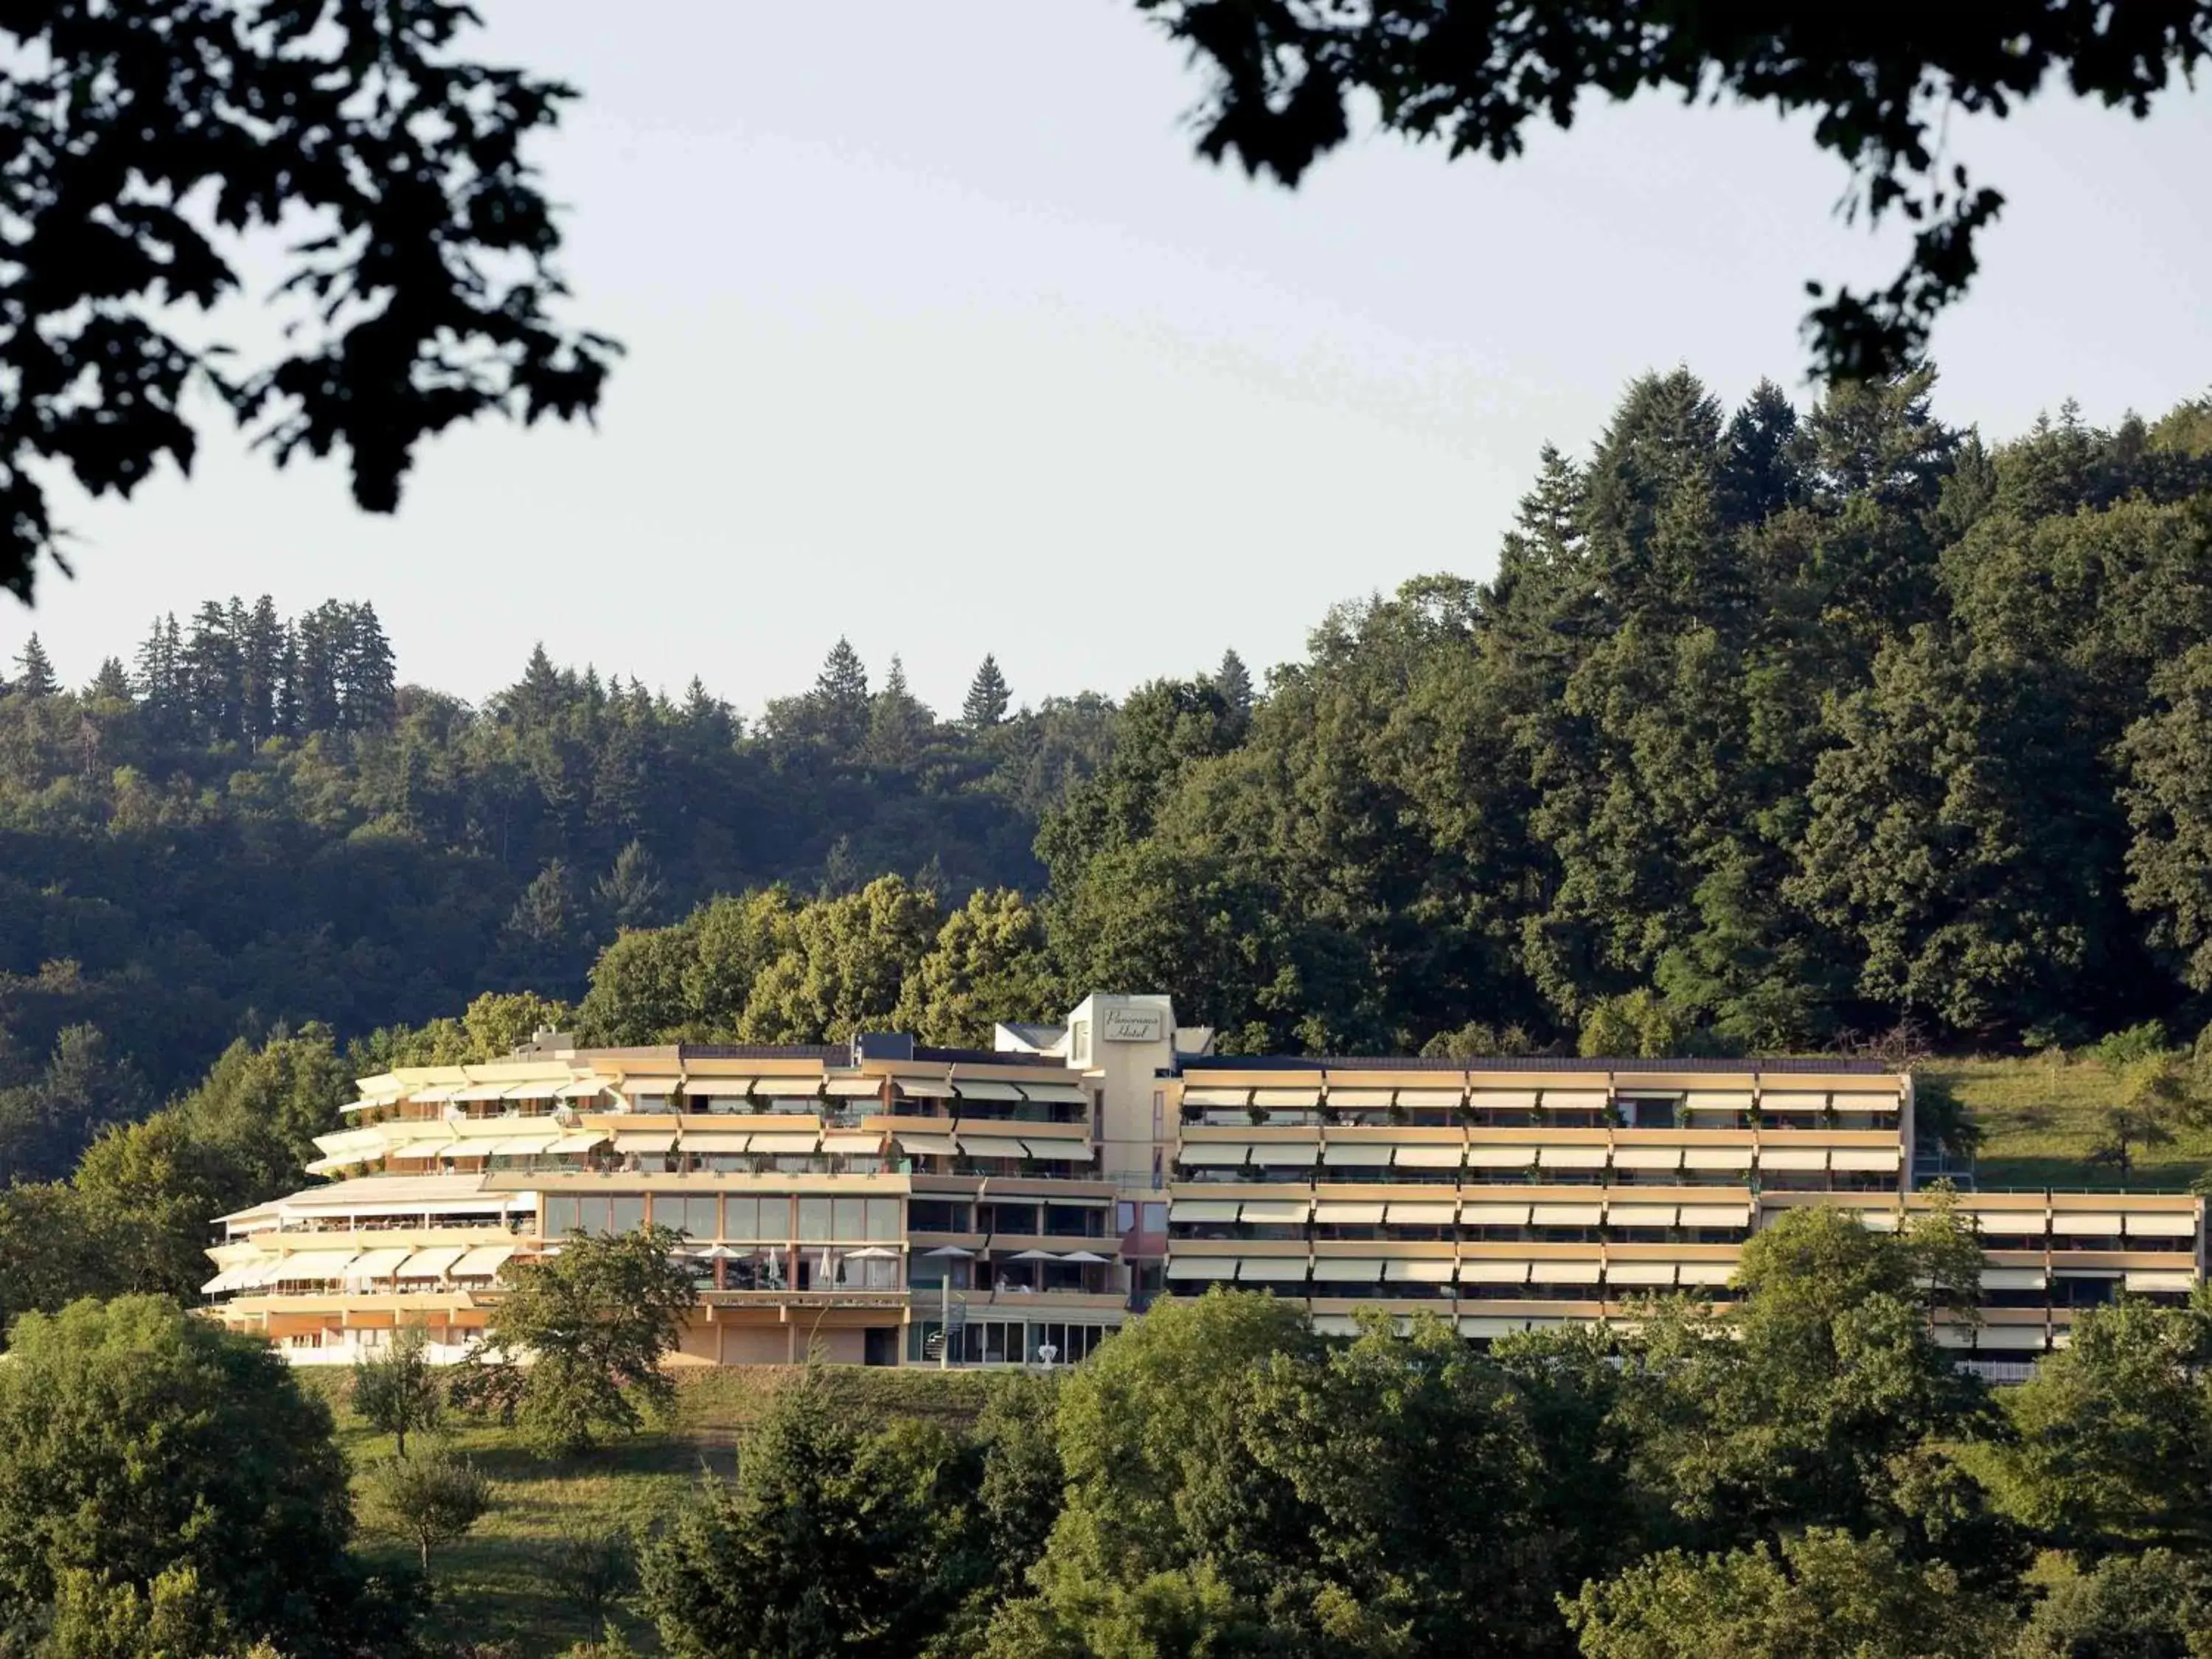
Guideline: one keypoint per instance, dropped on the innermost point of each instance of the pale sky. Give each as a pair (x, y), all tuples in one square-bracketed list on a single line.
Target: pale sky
[(941, 338)]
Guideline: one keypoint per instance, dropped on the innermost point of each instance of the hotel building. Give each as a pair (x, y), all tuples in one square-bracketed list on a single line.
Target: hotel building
[(887, 1203)]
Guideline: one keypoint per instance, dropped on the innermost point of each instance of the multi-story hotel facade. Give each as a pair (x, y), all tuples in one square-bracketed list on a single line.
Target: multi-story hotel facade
[(887, 1203)]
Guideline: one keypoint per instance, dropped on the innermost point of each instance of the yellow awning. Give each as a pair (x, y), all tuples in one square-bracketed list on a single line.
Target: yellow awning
[(1207, 1209), (1274, 1211), (1425, 1270), (1430, 1099), (431, 1263), (1792, 1100), (1639, 1274), (1419, 1215), (1716, 1215), (1201, 1266), (1429, 1156), (1883, 1158), (1347, 1215), (2083, 1224), (1571, 1158), (715, 1143), (1271, 1270), (1647, 1157), (788, 1144), (1717, 1157), (1704, 1273), (1639, 1215), (1574, 1100), (1793, 1158), (1347, 1270), (1564, 1273), (1357, 1154), (1494, 1215), (1475, 1271), (1501, 1158), (2161, 1226), (1567, 1215), (483, 1262)]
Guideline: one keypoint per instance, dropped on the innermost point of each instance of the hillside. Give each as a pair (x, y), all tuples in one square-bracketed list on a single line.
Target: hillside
[(1773, 725), (501, 1584), (2040, 1118)]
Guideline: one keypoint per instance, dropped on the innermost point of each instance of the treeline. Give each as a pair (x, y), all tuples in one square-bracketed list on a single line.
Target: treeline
[(1804, 1474), (1769, 730), (1771, 726), (255, 826)]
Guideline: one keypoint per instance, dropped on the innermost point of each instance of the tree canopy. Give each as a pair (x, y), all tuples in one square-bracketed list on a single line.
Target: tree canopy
[(1283, 77), (158, 139), (138, 1443)]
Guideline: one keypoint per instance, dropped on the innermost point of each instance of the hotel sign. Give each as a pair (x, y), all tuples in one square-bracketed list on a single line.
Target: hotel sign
[(1131, 1024)]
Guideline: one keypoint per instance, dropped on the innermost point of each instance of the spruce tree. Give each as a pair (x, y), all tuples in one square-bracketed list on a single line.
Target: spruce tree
[(314, 676), (159, 677), (261, 653), (988, 697), (111, 684), (841, 696), (365, 671), (37, 670), (897, 721), (1234, 680)]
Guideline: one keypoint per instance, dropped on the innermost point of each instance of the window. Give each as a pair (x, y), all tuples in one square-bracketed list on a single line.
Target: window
[(700, 1220), (561, 1215), (1078, 1043), (625, 1212), (848, 1217), (743, 1219), (1125, 1217), (884, 1219), (1156, 1218), (814, 1217), (934, 1215)]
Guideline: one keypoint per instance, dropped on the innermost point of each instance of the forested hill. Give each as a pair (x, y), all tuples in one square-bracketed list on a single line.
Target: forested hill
[(252, 824), (1771, 725)]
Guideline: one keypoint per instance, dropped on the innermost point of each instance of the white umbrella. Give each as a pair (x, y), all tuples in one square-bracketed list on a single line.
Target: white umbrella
[(873, 1253), (1032, 1255), (1083, 1255), (949, 1250)]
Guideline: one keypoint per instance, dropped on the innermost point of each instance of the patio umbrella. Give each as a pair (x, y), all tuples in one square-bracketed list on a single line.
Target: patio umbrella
[(949, 1250), (873, 1253), (1032, 1255), (1083, 1255)]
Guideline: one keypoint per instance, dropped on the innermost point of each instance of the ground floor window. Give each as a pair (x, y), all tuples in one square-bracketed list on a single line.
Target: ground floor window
[(1007, 1342)]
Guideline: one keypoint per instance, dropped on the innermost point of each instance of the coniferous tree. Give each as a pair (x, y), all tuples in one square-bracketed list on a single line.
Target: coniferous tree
[(36, 671), (111, 684), (160, 680), (988, 697), (1234, 680), (316, 644), (214, 676), (364, 670), (898, 723), (260, 636), (840, 697)]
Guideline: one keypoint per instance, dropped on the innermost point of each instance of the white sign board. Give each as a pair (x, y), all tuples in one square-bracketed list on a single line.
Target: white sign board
[(1131, 1024)]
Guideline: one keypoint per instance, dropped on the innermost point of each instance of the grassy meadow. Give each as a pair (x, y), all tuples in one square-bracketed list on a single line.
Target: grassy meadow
[(2040, 1118), (499, 1585)]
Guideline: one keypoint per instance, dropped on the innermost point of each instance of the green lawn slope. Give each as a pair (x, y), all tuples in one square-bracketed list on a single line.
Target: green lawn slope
[(2040, 1119), (499, 1585)]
